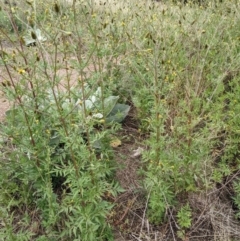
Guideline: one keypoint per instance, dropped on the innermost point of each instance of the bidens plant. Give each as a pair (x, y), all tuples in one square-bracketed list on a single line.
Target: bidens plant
[(55, 151)]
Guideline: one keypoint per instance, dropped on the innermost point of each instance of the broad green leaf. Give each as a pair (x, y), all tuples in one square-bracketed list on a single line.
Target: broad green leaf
[(109, 104), (118, 113), (55, 139), (97, 144)]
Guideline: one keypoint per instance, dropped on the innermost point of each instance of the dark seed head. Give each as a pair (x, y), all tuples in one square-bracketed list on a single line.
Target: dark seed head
[(56, 8), (33, 35)]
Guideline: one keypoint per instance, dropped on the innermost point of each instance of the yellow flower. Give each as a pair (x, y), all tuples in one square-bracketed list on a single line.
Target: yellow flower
[(13, 10), (21, 71)]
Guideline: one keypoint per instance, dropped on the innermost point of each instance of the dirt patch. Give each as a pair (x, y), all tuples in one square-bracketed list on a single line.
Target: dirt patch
[(4, 106), (8, 48), (4, 103), (127, 215)]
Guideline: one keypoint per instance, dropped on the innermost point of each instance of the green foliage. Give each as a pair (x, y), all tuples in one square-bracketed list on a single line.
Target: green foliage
[(56, 173), (161, 198), (10, 19), (186, 117), (176, 64), (184, 217), (236, 198), (53, 170), (184, 220), (4, 21)]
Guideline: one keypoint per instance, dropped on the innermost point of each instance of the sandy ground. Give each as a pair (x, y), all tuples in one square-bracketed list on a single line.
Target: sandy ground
[(4, 106), (4, 103)]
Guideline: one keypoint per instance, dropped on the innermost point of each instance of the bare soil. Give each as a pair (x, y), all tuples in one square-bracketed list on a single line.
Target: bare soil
[(4, 106), (4, 103)]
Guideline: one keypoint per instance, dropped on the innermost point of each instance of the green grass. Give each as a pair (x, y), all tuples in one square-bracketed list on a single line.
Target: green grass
[(177, 65)]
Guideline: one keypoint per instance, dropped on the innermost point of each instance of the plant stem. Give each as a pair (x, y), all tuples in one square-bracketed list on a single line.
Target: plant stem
[(61, 118)]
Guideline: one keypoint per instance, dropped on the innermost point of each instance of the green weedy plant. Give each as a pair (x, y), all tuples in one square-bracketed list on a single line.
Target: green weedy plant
[(170, 62), (8, 18), (184, 220), (59, 162), (229, 162), (236, 198), (185, 116), (59, 179)]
